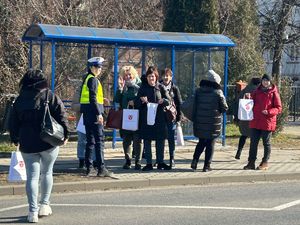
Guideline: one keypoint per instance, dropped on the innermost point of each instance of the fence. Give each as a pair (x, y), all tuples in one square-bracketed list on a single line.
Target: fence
[(295, 104)]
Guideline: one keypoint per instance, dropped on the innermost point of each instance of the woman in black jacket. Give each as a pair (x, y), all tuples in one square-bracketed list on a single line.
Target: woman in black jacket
[(209, 105), (25, 128), (153, 92), (175, 95)]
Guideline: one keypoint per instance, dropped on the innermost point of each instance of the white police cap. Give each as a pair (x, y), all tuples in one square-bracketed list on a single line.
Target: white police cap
[(96, 61)]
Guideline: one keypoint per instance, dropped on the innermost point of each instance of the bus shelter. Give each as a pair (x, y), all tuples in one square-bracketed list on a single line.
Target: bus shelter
[(62, 53)]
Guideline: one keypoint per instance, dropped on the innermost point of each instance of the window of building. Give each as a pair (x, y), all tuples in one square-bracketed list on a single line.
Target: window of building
[(294, 53)]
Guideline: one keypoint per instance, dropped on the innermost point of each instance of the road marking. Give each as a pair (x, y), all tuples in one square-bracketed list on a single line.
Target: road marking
[(287, 205), (276, 208), (13, 207), (166, 206)]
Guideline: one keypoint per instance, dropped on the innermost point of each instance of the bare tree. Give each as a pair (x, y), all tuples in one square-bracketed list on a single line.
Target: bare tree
[(280, 26), (16, 16)]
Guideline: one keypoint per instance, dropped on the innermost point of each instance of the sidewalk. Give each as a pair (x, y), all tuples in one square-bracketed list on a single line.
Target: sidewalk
[(284, 165)]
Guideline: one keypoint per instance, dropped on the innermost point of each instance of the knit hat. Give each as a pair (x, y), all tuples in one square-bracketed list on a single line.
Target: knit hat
[(267, 77), (213, 77)]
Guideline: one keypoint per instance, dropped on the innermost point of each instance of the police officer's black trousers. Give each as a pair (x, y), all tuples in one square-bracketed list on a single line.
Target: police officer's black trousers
[(94, 139)]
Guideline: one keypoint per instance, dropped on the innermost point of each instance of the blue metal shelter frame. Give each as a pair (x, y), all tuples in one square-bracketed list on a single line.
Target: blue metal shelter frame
[(39, 34)]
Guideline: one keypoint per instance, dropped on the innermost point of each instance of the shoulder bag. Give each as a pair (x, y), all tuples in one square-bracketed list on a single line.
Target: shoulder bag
[(51, 131)]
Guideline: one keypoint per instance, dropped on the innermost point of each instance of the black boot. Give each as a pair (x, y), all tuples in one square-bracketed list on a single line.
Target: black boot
[(148, 167), (207, 168), (250, 166), (238, 154), (163, 166), (127, 164), (194, 164), (81, 163)]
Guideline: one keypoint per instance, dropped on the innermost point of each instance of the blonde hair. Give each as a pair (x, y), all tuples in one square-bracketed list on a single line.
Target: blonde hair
[(131, 69)]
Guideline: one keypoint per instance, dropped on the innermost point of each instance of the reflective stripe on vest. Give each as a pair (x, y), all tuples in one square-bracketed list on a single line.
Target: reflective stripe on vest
[(84, 97)]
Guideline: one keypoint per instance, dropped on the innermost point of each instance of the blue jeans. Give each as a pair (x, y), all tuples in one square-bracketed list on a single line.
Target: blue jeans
[(36, 164), (81, 144)]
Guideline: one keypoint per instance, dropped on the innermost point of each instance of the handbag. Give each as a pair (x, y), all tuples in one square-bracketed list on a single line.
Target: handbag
[(51, 131), (114, 119), (245, 112), (17, 170), (130, 119), (171, 112)]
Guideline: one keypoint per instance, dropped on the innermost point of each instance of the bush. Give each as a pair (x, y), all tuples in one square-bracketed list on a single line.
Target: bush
[(286, 93)]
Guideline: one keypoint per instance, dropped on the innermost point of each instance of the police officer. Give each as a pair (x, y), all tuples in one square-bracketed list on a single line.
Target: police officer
[(91, 105)]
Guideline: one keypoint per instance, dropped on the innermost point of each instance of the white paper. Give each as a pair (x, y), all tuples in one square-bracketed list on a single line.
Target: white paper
[(245, 112), (130, 119), (17, 170), (151, 113), (179, 135)]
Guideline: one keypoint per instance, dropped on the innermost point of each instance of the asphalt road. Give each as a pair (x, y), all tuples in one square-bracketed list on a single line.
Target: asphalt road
[(243, 203)]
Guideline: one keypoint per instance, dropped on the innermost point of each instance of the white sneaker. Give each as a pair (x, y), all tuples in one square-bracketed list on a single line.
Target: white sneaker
[(33, 217), (45, 210)]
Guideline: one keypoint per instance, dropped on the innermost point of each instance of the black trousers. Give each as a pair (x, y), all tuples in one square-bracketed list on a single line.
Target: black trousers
[(94, 139), (209, 146), (242, 142), (254, 141)]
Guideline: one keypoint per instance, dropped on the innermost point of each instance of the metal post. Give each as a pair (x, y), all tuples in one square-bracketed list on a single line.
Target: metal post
[(225, 94), (116, 59), (41, 55), (30, 54), (143, 61), (173, 58), (53, 66), (193, 73), (209, 59)]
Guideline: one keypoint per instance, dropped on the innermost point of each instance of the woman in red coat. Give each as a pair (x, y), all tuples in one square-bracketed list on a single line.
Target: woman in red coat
[(267, 105)]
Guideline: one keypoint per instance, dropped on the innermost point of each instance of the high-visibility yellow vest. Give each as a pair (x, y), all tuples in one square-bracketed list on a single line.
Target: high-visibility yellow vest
[(84, 97)]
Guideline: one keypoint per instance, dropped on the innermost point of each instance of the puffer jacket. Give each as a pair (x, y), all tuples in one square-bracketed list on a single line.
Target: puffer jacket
[(209, 105), (27, 116), (269, 100)]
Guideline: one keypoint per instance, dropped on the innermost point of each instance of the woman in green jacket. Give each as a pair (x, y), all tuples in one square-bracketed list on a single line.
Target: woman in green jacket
[(128, 86)]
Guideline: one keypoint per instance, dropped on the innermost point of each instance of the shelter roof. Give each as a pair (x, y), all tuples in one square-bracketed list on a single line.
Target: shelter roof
[(123, 37)]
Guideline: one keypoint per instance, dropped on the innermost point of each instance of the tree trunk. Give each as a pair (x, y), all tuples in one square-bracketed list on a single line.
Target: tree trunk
[(283, 18)]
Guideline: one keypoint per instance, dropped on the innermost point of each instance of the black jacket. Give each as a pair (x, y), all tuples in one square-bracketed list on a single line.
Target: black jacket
[(209, 104), (27, 116), (154, 94)]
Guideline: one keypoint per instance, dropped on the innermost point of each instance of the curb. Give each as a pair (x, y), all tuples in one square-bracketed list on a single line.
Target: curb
[(142, 183)]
